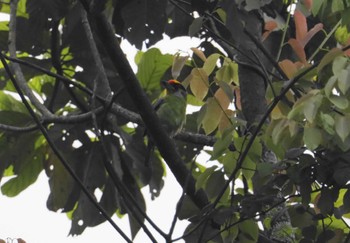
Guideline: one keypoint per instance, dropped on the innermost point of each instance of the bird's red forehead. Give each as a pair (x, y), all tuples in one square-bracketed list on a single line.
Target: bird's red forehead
[(173, 81)]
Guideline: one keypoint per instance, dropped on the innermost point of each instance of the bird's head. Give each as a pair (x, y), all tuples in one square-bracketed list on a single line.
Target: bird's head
[(173, 86)]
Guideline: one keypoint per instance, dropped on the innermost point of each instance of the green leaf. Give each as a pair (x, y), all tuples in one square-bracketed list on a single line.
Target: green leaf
[(9, 103), (345, 17), (305, 106), (229, 235), (227, 89), (202, 178), (337, 6), (312, 137), (341, 34), (221, 144), (311, 107), (340, 102), (188, 209), (248, 168), (342, 126), (327, 123), (60, 182), (279, 130), (228, 72), (214, 184), (199, 83), (151, 68), (344, 80), (210, 63), (196, 26), (212, 116), (339, 64), (178, 64), (330, 86), (264, 169), (230, 161), (192, 100), (330, 56), (250, 231), (27, 166)]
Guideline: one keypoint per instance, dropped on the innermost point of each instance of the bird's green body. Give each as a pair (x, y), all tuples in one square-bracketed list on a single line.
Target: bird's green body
[(172, 113), (171, 110)]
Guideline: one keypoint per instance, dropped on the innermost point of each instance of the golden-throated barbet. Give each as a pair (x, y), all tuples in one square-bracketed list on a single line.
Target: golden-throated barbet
[(171, 108)]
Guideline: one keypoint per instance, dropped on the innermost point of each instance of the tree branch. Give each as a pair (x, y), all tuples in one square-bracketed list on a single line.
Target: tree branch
[(103, 88), (17, 70), (116, 109), (165, 145), (44, 132)]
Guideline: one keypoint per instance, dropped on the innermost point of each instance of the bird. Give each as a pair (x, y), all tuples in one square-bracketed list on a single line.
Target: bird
[(171, 108), (171, 111)]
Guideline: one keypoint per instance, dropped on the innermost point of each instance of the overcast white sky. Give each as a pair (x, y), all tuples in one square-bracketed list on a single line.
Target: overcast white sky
[(27, 217)]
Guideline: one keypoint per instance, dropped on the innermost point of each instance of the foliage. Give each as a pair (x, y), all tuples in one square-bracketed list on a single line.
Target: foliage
[(273, 99)]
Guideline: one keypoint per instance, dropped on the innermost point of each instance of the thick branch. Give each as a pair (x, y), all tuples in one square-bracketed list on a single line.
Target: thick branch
[(17, 70), (165, 145)]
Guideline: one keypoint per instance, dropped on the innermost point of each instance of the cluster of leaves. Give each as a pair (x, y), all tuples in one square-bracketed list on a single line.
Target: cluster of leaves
[(305, 130)]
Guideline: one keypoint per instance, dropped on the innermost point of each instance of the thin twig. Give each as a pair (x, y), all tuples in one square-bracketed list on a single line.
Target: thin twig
[(177, 211), (329, 35), (10, 128), (103, 84)]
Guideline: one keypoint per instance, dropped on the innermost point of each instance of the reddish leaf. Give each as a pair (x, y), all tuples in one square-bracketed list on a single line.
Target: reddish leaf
[(269, 27), (199, 53), (222, 98), (311, 33), (225, 121), (288, 67), (298, 49), (300, 25), (238, 103), (347, 52)]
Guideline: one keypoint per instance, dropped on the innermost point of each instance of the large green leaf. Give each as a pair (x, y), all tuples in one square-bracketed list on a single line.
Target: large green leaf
[(214, 184), (211, 63), (9, 103), (222, 144), (343, 80), (249, 231), (312, 137), (151, 68), (199, 83), (27, 161), (212, 116), (342, 126)]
